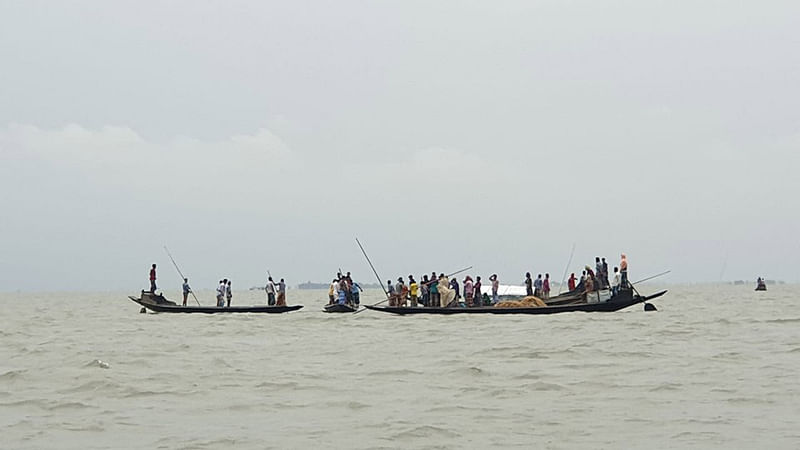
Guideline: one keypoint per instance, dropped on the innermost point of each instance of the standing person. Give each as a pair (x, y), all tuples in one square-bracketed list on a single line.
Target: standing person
[(221, 292), (469, 291), (341, 298), (589, 283), (546, 286), (528, 284), (605, 271), (454, 286), (478, 299), (153, 279), (537, 286), (413, 290), (495, 287), (615, 282), (270, 288), (228, 293), (186, 290), (426, 291), (332, 291), (390, 292), (355, 288), (399, 289), (434, 290), (623, 270), (571, 282), (281, 293), (598, 272)]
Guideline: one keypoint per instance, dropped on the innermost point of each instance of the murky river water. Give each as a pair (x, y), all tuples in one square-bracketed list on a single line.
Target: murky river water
[(714, 367)]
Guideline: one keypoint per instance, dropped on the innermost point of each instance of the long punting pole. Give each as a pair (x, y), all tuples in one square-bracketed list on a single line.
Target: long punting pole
[(373, 269), (650, 278), (566, 269), (179, 272)]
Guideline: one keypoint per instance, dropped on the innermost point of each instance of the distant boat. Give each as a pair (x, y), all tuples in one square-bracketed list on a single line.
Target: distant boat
[(310, 285), (761, 284), (157, 303)]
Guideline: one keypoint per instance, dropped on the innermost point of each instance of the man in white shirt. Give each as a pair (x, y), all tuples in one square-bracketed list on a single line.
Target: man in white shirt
[(270, 288), (223, 284), (616, 281)]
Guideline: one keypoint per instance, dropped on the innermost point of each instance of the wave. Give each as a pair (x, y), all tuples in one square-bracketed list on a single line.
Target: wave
[(425, 431)]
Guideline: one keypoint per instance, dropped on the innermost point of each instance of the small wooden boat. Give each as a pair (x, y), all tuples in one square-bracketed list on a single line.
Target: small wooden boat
[(337, 308), (157, 303), (622, 300)]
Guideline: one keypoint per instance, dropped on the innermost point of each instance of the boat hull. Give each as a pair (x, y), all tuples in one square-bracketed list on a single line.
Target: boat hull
[(337, 308), (622, 300), (157, 303)]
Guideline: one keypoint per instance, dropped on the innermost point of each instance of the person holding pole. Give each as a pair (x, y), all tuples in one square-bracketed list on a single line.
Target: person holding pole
[(186, 290)]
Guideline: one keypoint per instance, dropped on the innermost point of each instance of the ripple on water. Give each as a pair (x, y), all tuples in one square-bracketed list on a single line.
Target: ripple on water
[(425, 431)]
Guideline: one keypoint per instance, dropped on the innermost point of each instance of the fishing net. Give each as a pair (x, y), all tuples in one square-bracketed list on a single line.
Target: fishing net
[(527, 302)]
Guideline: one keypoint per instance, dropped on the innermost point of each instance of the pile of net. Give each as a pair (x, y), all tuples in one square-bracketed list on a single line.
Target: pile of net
[(527, 302)]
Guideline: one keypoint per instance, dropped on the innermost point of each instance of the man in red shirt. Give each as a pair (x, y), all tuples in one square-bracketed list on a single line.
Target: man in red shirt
[(153, 279)]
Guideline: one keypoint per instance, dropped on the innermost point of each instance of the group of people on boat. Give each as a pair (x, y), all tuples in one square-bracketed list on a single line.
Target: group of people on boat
[(344, 291), (276, 292), (440, 291), (598, 279)]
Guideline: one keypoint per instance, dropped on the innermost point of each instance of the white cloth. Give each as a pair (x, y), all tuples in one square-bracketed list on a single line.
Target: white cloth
[(617, 280), (270, 287)]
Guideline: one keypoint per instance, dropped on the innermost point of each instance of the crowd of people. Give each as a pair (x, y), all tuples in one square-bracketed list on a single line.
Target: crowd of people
[(344, 291), (442, 291)]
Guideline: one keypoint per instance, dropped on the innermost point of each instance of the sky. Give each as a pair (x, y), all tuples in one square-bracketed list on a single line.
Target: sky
[(266, 136)]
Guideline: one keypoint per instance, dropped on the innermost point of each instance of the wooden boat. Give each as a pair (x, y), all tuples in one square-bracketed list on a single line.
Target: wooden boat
[(158, 303), (622, 300), (337, 308)]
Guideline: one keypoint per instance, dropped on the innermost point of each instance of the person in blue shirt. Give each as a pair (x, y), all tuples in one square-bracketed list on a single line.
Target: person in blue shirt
[(356, 296)]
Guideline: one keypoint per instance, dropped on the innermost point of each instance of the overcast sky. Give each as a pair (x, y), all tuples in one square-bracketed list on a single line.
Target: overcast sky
[(249, 136)]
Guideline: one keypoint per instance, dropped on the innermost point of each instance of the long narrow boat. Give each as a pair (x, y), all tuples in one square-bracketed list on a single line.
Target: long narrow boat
[(158, 303), (622, 300), (337, 308)]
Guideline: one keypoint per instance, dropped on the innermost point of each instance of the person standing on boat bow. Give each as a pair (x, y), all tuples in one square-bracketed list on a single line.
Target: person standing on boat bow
[(153, 279), (623, 270), (186, 290), (228, 293), (270, 288)]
